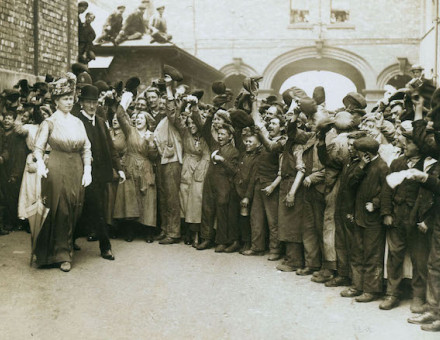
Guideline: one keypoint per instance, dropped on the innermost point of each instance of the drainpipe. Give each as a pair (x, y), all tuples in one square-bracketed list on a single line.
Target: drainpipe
[(436, 43)]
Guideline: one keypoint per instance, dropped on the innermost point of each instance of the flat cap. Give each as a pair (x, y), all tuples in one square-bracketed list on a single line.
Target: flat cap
[(308, 106), (355, 100), (366, 144), (172, 72)]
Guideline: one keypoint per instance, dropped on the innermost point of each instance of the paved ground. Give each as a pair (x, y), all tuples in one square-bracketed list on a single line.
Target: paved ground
[(176, 292)]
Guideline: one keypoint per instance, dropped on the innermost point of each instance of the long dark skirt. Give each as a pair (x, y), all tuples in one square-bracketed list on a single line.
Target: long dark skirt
[(63, 194)]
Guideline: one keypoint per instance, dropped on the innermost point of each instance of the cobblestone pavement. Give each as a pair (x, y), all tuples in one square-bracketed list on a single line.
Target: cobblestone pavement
[(175, 292)]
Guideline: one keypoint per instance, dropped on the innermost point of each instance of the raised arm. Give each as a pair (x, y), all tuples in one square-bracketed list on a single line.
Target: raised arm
[(124, 120)]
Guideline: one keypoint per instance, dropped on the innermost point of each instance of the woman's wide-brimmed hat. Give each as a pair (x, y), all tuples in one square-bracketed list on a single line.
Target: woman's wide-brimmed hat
[(64, 85)]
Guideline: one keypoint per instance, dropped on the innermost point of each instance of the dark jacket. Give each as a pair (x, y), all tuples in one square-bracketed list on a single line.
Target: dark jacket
[(244, 178), (428, 200), (346, 198), (313, 167), (115, 22), (104, 155), (16, 150), (405, 193), (268, 162), (227, 168), (134, 24), (87, 35), (369, 182), (426, 139)]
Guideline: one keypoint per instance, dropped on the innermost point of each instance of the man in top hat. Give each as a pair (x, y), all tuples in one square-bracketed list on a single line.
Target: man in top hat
[(112, 26), (158, 26), (105, 159), (134, 26)]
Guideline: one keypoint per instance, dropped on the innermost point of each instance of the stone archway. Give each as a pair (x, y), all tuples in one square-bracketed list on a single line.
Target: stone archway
[(393, 75), (235, 73), (331, 59), (238, 67)]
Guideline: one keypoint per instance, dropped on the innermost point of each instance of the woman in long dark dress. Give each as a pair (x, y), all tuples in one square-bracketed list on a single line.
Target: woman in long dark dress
[(68, 171)]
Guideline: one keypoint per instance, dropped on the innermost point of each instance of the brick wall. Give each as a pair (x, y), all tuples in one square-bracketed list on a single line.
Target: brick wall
[(56, 50)]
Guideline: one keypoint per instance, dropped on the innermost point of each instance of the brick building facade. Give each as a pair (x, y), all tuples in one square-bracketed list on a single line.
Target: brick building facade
[(37, 37)]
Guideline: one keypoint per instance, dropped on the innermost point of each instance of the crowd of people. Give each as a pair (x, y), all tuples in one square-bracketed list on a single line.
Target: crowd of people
[(321, 191), (116, 29)]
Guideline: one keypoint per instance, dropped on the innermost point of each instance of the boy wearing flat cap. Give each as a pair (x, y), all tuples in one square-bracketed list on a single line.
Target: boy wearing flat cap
[(368, 234), (112, 26), (403, 217), (134, 26), (158, 26)]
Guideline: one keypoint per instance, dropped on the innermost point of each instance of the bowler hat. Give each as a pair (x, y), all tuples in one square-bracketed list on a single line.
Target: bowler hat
[(218, 87), (172, 72), (89, 92), (198, 93), (102, 85)]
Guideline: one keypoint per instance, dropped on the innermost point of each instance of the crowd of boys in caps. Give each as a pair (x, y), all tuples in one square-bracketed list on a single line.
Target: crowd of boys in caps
[(116, 29), (320, 191)]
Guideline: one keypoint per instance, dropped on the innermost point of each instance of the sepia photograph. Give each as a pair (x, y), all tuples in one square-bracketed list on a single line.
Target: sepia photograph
[(219, 170)]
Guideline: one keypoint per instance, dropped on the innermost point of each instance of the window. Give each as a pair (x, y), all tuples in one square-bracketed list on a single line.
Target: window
[(340, 11), (299, 11)]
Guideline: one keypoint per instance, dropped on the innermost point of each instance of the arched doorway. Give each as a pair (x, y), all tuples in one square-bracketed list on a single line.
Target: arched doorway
[(332, 59), (323, 64), (336, 85)]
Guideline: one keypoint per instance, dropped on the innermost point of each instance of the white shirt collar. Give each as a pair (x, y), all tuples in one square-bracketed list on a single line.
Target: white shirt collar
[(428, 163), (92, 119)]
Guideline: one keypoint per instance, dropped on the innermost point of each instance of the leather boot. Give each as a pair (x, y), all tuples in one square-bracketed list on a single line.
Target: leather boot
[(390, 302), (206, 244), (234, 247)]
